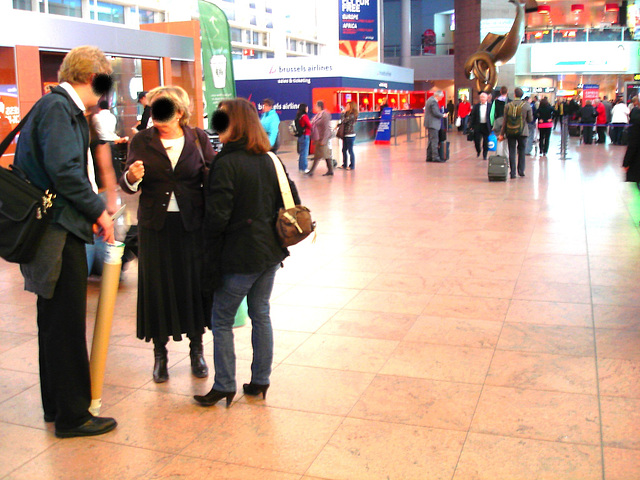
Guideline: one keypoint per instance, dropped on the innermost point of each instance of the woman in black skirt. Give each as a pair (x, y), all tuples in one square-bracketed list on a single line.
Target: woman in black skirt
[(167, 163)]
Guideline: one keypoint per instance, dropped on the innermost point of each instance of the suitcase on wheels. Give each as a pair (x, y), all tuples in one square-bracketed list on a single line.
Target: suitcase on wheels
[(444, 150), (498, 169)]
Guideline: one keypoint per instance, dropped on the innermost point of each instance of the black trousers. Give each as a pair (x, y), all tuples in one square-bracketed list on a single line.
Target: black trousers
[(602, 134), (65, 382), (587, 133), (481, 134)]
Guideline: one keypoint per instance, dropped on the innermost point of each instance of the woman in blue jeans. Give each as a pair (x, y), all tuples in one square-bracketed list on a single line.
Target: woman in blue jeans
[(303, 122), (242, 250), (349, 118)]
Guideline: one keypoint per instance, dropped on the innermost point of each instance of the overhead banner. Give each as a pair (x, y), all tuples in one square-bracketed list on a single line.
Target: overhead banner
[(217, 63), (359, 29)]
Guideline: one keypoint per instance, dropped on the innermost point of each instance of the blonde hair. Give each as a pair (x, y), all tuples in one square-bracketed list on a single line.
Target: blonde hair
[(81, 63), (244, 125), (353, 108), (178, 96)]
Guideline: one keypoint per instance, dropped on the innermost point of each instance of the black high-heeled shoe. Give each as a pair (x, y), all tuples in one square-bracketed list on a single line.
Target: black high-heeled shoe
[(255, 389), (214, 397)]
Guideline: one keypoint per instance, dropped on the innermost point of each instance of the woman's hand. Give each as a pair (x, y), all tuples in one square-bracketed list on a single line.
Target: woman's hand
[(104, 227), (135, 172)]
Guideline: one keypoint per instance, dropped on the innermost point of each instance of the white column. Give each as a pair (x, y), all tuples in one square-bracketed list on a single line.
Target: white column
[(405, 46)]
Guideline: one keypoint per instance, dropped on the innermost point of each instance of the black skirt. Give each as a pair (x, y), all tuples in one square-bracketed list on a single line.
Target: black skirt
[(169, 282)]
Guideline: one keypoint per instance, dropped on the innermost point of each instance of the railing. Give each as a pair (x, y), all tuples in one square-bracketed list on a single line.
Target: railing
[(420, 50), (576, 34)]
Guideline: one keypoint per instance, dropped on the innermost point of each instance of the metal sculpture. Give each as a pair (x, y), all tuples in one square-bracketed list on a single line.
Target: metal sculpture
[(495, 50)]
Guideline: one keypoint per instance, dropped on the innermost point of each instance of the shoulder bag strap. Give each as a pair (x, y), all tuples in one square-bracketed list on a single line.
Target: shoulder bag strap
[(195, 132), (9, 138), (285, 189)]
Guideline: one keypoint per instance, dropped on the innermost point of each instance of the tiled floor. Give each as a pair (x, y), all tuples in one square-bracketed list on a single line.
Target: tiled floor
[(441, 327)]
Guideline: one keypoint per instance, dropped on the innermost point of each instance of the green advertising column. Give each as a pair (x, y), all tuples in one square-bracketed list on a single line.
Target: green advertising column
[(217, 63)]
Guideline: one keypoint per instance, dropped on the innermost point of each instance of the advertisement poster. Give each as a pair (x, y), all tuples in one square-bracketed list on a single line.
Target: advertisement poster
[(359, 29), (9, 113), (217, 63), (590, 92), (384, 128)]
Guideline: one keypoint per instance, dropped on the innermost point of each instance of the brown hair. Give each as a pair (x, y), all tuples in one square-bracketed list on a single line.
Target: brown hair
[(178, 96), (353, 108), (244, 125), (81, 63)]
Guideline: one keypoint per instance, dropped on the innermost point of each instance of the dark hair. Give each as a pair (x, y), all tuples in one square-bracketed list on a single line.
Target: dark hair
[(268, 102), (244, 125), (320, 103), (503, 90), (518, 92), (141, 95), (302, 110), (104, 105), (544, 101)]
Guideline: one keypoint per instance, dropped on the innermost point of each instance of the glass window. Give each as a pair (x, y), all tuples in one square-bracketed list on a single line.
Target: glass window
[(109, 12), (236, 54), (9, 109), (256, 38), (22, 4), (252, 5), (293, 45), (270, 55), (150, 16), (253, 20), (236, 35), (69, 8)]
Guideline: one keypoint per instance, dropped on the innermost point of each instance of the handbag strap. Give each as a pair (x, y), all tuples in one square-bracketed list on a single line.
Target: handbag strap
[(195, 132), (285, 189), (12, 134)]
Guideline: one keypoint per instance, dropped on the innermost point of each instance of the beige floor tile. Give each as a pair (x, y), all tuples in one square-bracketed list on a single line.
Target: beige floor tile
[(21, 358), (561, 340), (455, 331), (552, 292), (543, 371), (534, 414), (19, 445), (623, 296), (620, 422), (339, 279), (623, 344), (439, 362), (358, 323), (416, 401), (343, 353), (619, 378), (355, 451), (311, 389), (550, 313), (494, 271), (270, 438), (92, 458), (493, 309), (389, 302), (299, 318), (477, 287), (621, 464), (398, 282), (322, 297), (489, 457), (554, 274), (12, 383), (182, 467), (614, 316)]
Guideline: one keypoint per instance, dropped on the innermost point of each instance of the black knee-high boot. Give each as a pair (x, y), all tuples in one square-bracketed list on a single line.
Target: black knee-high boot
[(198, 365), (160, 372)]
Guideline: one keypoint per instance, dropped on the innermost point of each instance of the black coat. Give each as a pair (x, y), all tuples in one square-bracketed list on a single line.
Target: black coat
[(632, 155), (588, 114), (475, 117), (52, 151), (242, 201), (160, 180)]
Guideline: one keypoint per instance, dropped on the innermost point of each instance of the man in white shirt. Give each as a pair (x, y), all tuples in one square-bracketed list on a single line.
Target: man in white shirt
[(481, 124)]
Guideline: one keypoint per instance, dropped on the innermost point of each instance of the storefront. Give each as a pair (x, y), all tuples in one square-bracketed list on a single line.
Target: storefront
[(30, 56)]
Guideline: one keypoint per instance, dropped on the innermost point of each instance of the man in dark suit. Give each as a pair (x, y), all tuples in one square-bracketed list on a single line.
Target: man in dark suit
[(481, 124), (587, 116)]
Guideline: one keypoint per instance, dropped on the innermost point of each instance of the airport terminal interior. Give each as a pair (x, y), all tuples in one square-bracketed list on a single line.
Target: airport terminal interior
[(440, 327)]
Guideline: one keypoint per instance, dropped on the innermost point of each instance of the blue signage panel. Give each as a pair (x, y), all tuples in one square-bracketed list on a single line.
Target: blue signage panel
[(384, 128), (359, 20)]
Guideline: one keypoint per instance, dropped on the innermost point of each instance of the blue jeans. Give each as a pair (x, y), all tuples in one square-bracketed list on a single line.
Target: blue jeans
[(257, 288), (347, 147), (303, 150)]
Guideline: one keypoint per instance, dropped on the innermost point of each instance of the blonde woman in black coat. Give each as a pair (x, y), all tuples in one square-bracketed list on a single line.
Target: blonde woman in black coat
[(166, 162)]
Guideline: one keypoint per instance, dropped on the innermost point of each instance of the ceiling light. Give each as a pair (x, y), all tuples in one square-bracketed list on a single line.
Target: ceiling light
[(577, 7), (611, 7), (544, 9)]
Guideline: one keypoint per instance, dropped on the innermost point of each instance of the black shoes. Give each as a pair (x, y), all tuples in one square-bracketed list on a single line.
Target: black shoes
[(328, 174), (93, 426), (255, 389), (214, 397), (160, 372), (198, 365)]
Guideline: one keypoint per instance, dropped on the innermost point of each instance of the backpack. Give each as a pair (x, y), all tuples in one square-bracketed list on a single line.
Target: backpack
[(514, 122), (296, 129)]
